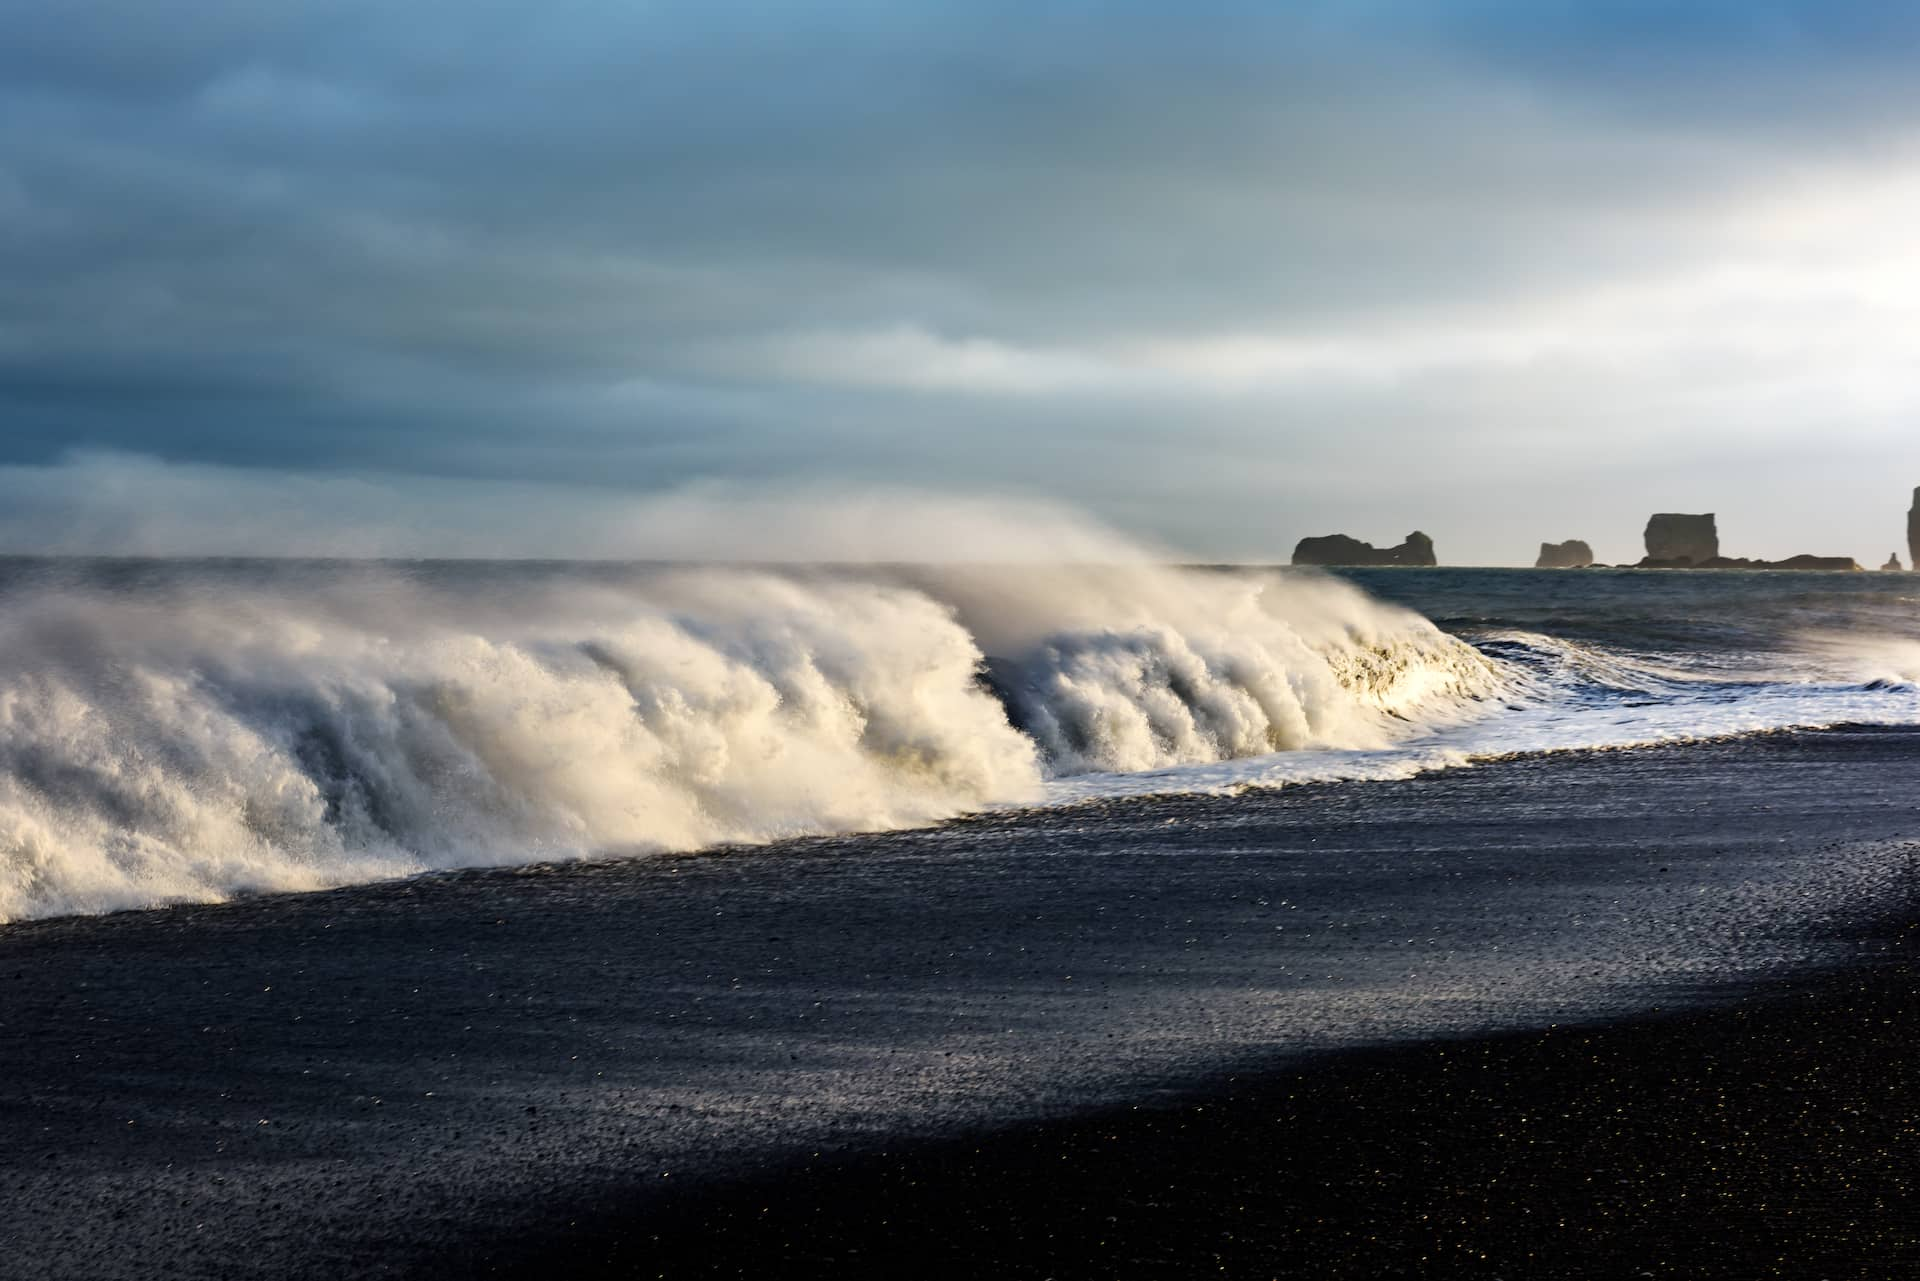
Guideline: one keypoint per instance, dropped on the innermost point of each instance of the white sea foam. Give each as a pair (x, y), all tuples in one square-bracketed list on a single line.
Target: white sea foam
[(1561, 695), (216, 737)]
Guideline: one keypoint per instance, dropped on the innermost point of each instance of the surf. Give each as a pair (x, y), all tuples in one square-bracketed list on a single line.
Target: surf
[(186, 733)]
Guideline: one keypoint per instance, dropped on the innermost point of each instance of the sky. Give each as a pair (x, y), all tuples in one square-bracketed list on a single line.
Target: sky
[(470, 275)]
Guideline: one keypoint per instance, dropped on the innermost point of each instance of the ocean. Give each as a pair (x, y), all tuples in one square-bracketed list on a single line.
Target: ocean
[(415, 919), (176, 731)]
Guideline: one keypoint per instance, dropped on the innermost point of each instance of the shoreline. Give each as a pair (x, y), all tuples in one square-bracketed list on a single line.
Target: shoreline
[(1114, 791)]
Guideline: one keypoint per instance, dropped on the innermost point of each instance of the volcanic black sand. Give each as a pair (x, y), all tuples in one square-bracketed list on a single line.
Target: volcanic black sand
[(1596, 1014), (1780, 1138)]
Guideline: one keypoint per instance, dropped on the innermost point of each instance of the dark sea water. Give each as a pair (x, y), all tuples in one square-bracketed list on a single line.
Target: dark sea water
[(1734, 616)]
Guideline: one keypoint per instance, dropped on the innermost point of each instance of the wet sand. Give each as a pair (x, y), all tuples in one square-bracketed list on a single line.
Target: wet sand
[(1149, 1038)]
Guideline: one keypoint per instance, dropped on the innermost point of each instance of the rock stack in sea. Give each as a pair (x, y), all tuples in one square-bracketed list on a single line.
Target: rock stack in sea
[(1679, 541), (1338, 549), (1913, 531), (1572, 554)]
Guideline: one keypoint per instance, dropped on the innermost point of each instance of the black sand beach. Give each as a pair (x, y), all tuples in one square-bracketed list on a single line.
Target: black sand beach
[(1779, 1138), (1588, 1014)]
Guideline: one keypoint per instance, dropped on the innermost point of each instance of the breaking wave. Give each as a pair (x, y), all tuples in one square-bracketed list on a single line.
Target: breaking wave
[(209, 733)]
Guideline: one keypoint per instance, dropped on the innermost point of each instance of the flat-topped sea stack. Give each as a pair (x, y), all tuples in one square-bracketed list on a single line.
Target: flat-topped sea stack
[(1572, 554), (1338, 549), (1679, 541)]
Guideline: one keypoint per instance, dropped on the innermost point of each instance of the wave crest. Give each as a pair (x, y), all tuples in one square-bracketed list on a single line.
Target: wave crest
[(208, 736)]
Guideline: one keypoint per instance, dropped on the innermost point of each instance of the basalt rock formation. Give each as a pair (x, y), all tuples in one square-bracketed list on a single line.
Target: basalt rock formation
[(1678, 541), (1572, 554), (1338, 549), (1835, 564), (1893, 565)]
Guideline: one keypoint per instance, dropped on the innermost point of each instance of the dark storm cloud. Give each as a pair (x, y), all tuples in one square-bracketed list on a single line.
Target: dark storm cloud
[(621, 243)]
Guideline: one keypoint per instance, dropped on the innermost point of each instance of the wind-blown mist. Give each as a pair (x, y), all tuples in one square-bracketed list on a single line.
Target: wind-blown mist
[(105, 503), (186, 732)]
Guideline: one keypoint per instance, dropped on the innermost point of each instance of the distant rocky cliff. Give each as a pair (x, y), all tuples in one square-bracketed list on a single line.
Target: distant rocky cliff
[(1913, 531), (1572, 554), (1338, 549), (1679, 541)]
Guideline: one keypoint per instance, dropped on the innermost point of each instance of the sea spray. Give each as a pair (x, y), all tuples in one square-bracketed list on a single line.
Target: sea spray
[(1140, 668), (214, 731)]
